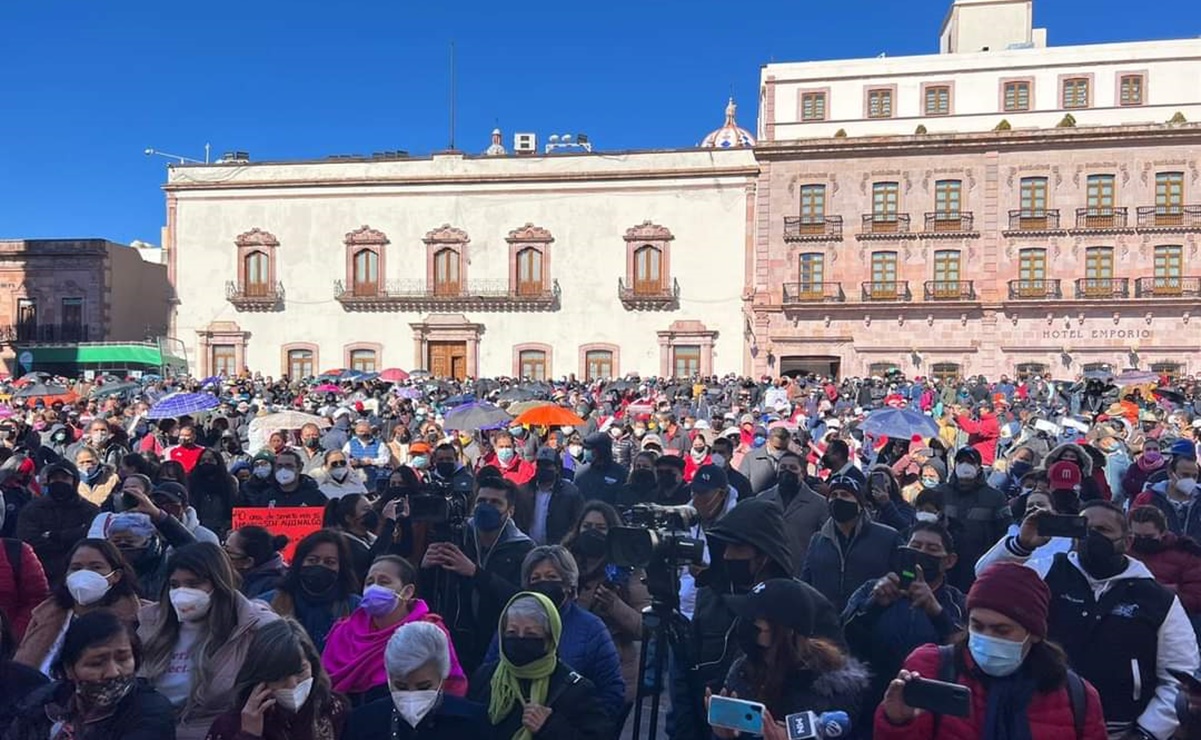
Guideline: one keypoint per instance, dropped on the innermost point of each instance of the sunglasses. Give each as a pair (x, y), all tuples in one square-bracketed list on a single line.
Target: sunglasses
[(338, 464)]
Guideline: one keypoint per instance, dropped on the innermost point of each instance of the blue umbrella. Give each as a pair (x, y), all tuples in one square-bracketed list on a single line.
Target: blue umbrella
[(473, 416), (182, 404), (211, 380), (899, 424)]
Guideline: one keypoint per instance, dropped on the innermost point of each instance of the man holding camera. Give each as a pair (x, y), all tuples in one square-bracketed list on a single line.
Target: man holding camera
[(890, 617), (470, 582), (448, 473)]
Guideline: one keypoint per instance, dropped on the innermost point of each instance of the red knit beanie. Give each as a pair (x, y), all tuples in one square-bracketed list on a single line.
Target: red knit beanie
[(1015, 591)]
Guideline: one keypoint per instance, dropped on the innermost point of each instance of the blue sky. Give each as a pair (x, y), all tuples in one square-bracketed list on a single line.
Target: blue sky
[(85, 86)]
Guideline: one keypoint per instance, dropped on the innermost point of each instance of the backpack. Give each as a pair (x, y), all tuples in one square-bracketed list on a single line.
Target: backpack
[(1077, 696)]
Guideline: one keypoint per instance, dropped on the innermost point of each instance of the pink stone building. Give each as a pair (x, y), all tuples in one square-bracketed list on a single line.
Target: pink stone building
[(997, 208)]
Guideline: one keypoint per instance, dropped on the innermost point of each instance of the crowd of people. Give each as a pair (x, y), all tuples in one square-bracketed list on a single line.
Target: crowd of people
[(1033, 540)]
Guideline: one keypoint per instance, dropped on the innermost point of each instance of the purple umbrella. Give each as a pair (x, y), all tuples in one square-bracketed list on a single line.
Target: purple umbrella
[(182, 404)]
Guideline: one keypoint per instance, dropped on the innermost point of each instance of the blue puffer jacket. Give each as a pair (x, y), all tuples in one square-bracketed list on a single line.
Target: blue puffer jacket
[(586, 646)]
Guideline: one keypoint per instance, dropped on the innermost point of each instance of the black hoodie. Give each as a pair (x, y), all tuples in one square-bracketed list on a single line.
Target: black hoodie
[(760, 524)]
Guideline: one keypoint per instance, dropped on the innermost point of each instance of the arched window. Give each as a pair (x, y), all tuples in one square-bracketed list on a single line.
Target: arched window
[(258, 273), (529, 271), (365, 261), (366, 272), (446, 272), (363, 360), (300, 363), (648, 275), (648, 267)]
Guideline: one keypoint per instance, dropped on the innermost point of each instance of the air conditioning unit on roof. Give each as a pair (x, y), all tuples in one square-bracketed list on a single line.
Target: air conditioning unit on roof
[(525, 143)]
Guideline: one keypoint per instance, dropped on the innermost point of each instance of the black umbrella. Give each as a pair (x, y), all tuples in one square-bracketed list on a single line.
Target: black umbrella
[(484, 386), (517, 394), (621, 385), (114, 389), (1169, 394)]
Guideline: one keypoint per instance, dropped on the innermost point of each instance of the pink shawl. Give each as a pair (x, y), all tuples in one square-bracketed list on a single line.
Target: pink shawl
[(354, 652)]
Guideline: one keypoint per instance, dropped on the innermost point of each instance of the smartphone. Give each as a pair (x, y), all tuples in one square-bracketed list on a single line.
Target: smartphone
[(129, 502), (736, 714), (906, 567), (1062, 525), (938, 697), (1187, 680)]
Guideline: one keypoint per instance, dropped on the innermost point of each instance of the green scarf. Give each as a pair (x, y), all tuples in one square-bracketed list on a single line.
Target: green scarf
[(506, 686)]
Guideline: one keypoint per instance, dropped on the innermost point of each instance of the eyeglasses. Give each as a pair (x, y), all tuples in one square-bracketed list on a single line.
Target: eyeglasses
[(338, 464)]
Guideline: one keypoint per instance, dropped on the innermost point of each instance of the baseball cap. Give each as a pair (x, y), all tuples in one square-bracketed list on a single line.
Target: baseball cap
[(710, 478), (546, 454), (1063, 476)]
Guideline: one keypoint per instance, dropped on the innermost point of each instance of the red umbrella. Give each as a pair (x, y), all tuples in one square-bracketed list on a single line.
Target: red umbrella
[(327, 388), (549, 416), (394, 375)]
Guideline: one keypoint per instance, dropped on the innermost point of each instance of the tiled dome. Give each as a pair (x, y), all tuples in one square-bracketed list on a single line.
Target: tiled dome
[(731, 135)]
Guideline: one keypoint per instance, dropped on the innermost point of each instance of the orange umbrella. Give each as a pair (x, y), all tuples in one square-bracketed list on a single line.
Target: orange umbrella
[(549, 416)]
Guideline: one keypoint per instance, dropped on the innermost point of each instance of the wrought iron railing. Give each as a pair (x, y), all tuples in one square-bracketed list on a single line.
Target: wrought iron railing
[(813, 292), (943, 221), (1034, 290), (886, 290), (1167, 287), (886, 223), (949, 290), (1034, 219), (812, 228), (1104, 288), (1169, 217), (1101, 218)]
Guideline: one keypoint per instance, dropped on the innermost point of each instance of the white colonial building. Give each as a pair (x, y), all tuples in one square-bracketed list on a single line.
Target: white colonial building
[(535, 265)]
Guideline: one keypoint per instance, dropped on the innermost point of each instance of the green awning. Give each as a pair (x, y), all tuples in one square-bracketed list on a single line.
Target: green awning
[(117, 355)]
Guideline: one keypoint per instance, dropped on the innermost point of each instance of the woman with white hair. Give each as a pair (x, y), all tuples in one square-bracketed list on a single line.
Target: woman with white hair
[(586, 644), (532, 692), (418, 663)]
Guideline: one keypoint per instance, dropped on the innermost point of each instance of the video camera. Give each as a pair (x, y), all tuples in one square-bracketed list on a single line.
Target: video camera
[(656, 535), (444, 507)]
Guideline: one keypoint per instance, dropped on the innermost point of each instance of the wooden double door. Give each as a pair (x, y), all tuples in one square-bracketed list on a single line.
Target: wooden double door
[(448, 360)]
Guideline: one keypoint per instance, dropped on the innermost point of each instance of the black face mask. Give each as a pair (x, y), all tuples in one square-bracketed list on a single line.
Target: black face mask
[(1099, 556), (667, 483), (553, 590), (445, 469), (789, 482), (370, 520), (592, 543), (312, 444), (61, 491), (843, 511), (931, 565), (317, 580), (642, 480), (547, 476), (741, 574), (521, 651), (1146, 545)]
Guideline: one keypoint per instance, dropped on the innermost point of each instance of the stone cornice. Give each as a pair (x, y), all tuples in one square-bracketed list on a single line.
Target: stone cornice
[(1150, 135)]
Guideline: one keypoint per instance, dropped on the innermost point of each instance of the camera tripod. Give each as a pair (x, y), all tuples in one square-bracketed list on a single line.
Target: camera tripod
[(669, 631)]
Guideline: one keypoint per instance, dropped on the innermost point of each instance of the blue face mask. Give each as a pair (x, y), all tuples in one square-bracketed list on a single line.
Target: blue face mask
[(487, 518), (419, 462), (517, 431), (995, 656), (505, 454), (759, 441)]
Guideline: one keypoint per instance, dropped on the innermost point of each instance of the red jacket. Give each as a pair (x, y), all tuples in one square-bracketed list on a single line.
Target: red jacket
[(1050, 715), (519, 470), (982, 435), (17, 600), (1177, 566)]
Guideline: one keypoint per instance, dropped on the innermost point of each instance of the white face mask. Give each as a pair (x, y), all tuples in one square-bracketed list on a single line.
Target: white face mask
[(285, 476), (262, 471), (339, 474), (576, 451), (926, 516), (1186, 486), (191, 604), (413, 706), (965, 471), (87, 586), (718, 460), (294, 698)]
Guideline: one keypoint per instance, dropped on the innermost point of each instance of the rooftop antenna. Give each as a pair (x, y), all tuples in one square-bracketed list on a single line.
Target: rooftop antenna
[(452, 96)]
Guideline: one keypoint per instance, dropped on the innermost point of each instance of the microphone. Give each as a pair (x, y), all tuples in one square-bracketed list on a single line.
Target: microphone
[(814, 726)]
